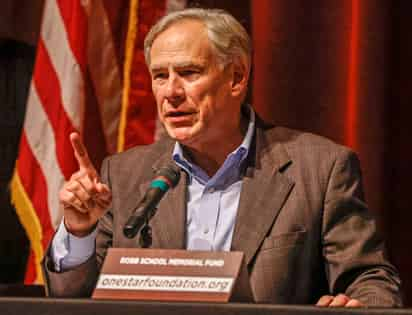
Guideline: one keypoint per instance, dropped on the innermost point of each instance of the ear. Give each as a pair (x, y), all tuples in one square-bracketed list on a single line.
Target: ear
[(240, 77)]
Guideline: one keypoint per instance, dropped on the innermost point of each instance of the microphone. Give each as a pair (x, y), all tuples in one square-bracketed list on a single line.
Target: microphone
[(166, 177)]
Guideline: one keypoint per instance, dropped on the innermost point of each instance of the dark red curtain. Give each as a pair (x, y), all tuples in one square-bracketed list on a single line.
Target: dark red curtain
[(340, 69), (337, 68)]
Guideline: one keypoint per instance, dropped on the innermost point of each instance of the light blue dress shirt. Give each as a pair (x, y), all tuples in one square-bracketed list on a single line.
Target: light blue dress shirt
[(213, 202), (211, 209)]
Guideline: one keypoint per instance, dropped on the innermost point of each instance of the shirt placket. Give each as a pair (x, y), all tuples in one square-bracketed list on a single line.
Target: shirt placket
[(208, 214)]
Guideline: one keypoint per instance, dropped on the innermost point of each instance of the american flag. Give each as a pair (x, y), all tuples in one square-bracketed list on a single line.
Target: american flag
[(89, 51)]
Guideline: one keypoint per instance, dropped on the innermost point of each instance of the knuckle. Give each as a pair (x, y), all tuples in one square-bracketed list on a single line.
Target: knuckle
[(62, 194), (342, 297), (72, 185), (76, 175)]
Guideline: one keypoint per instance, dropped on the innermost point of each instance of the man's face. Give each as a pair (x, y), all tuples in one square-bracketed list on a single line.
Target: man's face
[(193, 92)]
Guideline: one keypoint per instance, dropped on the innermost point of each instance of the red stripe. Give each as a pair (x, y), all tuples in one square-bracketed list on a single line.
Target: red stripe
[(75, 21), (49, 91), (34, 183), (351, 132), (31, 273)]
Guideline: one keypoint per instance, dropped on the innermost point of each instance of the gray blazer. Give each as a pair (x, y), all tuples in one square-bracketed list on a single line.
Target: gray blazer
[(302, 222)]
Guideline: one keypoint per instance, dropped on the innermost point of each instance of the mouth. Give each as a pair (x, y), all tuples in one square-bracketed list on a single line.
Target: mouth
[(179, 117), (177, 114)]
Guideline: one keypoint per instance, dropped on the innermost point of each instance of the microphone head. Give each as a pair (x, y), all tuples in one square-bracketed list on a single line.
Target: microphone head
[(171, 172)]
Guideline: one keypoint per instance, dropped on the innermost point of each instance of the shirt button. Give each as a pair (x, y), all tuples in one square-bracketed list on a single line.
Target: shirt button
[(211, 190), (206, 230)]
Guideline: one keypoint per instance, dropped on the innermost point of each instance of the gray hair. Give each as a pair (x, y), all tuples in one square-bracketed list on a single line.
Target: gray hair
[(227, 36)]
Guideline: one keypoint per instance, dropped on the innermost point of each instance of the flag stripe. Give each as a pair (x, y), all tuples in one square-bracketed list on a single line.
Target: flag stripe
[(32, 225), (55, 39), (76, 26), (48, 99), (35, 189), (41, 140), (56, 106), (117, 13), (105, 73), (78, 62)]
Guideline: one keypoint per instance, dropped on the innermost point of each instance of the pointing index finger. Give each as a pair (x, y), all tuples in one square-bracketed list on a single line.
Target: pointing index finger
[(80, 152)]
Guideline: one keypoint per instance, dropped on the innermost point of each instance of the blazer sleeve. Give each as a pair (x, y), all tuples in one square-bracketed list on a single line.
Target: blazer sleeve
[(81, 280), (355, 259)]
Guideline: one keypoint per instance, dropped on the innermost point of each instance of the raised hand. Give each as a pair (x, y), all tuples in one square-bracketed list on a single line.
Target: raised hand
[(84, 198)]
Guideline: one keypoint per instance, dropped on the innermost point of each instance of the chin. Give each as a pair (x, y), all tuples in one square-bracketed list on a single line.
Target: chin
[(182, 135)]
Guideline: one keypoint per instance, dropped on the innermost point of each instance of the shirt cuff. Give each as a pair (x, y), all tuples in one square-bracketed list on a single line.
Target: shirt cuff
[(69, 251)]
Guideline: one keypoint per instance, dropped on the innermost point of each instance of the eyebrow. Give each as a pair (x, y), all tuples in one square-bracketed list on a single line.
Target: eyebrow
[(178, 65)]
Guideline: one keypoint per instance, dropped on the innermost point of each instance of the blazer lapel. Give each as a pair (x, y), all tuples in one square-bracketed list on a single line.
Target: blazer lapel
[(264, 191)]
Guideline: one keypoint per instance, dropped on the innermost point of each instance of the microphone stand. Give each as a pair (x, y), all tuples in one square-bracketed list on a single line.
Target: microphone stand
[(145, 239)]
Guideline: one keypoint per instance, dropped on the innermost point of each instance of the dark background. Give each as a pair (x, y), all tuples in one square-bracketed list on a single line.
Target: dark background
[(337, 68)]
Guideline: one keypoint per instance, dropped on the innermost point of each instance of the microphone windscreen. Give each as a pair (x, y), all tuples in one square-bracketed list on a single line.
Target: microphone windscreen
[(171, 172)]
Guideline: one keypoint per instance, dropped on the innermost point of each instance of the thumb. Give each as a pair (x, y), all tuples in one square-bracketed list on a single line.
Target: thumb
[(102, 189)]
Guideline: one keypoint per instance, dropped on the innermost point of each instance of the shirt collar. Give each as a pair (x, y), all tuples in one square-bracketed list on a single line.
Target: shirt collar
[(240, 152)]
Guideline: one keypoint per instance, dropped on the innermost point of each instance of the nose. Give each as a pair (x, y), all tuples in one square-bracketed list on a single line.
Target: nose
[(174, 89)]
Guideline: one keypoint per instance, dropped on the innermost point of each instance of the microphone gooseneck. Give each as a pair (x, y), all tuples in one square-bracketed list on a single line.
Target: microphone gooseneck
[(166, 177)]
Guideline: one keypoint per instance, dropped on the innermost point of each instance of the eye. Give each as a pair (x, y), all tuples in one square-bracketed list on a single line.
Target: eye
[(160, 76), (187, 72), (190, 74)]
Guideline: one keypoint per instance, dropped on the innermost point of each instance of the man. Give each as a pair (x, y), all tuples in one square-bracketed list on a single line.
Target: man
[(291, 201)]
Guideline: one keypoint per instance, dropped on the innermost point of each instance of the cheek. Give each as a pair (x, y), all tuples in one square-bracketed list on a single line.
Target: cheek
[(213, 101), (156, 93), (208, 113), (203, 95), (158, 98)]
